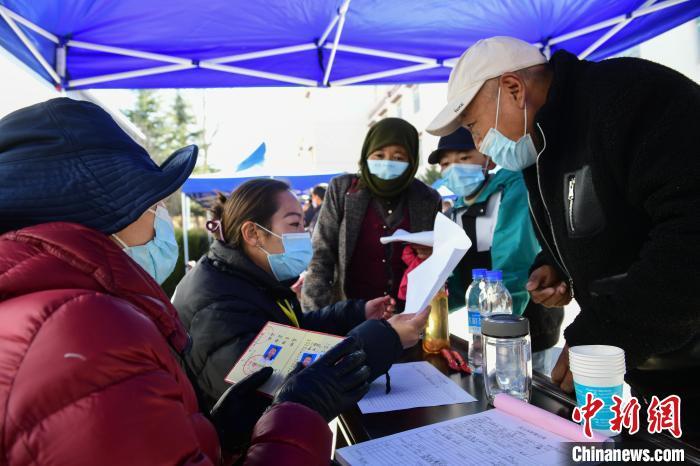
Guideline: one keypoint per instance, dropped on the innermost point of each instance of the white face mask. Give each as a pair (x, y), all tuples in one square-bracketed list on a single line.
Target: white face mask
[(511, 155), (159, 256)]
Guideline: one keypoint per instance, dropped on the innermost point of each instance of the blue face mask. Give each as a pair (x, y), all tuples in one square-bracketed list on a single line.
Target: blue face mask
[(295, 258), (464, 179), (511, 155), (386, 169), (158, 257)]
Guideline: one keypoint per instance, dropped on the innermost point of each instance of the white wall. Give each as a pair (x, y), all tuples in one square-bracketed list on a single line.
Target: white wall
[(678, 48)]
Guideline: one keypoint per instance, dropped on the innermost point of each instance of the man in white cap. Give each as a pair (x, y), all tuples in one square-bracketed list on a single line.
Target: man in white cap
[(609, 155)]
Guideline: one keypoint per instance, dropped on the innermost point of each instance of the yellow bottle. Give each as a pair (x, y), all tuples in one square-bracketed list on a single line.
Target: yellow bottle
[(437, 334)]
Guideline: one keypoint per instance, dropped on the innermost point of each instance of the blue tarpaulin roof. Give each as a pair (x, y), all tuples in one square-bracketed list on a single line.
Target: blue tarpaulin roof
[(226, 43), (202, 188)]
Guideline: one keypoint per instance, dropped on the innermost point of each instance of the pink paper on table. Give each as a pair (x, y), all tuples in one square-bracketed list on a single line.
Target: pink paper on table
[(544, 419)]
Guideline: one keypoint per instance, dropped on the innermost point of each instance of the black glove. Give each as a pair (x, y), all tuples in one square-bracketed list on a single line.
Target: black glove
[(330, 385), (234, 415)]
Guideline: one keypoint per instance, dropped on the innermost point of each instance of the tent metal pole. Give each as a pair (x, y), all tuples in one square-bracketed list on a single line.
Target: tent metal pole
[(659, 6), (263, 53), (604, 38), (342, 11), (30, 46), (258, 74), (384, 54), (384, 74), (586, 30), (61, 52), (185, 228), (29, 25), (547, 51), (324, 37), (643, 11), (73, 83), (128, 52)]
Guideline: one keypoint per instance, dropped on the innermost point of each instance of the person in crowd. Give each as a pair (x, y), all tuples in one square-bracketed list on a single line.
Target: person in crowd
[(609, 160), (308, 208), (317, 195), (447, 205), (348, 259), (245, 279), (492, 208), (91, 346)]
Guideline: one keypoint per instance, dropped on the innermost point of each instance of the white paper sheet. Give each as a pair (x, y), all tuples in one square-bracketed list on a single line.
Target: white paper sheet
[(450, 245), (413, 385), (424, 238), (491, 437)]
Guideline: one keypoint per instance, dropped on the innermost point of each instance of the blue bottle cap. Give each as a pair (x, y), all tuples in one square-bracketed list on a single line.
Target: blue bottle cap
[(494, 275), (478, 273)]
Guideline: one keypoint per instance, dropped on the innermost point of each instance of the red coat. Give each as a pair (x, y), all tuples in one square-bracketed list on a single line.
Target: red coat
[(87, 371)]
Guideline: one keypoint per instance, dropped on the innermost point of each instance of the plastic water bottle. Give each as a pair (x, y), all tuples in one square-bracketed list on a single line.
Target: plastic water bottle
[(474, 314), (495, 297), (494, 300)]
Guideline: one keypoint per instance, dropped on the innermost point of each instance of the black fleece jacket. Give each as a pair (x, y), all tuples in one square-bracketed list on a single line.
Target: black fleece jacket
[(224, 302), (615, 197)]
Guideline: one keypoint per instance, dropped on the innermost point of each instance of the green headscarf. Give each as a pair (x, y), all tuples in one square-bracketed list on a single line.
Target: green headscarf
[(384, 133)]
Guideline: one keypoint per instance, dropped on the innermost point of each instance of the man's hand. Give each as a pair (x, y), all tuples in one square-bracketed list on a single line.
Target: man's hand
[(547, 288), (561, 374), (422, 252), (380, 308)]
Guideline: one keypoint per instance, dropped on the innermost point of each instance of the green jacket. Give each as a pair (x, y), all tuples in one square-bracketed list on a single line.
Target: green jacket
[(514, 244)]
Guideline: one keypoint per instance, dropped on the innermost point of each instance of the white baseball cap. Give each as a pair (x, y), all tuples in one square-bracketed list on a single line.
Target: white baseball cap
[(486, 59)]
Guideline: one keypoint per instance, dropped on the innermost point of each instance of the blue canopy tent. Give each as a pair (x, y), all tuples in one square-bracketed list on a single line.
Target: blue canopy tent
[(202, 188), (89, 44), (79, 44)]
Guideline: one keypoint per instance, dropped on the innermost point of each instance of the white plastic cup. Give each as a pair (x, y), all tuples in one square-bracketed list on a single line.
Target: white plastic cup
[(613, 366), (596, 352), (600, 370)]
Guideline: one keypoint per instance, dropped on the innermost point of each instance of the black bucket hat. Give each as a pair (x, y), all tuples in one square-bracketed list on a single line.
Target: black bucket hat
[(459, 140), (68, 160)]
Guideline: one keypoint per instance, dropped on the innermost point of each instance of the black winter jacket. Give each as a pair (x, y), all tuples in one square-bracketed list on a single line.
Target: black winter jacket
[(615, 197), (224, 302)]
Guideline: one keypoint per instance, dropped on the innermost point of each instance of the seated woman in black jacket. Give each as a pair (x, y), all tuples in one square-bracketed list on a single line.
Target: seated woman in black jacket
[(244, 282)]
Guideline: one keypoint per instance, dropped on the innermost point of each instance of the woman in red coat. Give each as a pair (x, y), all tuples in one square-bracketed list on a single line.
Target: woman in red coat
[(90, 346)]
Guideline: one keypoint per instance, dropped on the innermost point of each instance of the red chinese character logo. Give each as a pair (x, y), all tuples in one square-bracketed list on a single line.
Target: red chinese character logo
[(587, 412), (625, 416), (665, 415)]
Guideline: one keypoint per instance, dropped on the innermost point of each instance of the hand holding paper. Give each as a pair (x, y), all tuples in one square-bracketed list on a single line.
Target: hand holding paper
[(450, 244)]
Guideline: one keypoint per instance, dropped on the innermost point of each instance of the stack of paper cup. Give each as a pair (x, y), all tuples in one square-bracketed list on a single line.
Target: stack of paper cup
[(600, 370)]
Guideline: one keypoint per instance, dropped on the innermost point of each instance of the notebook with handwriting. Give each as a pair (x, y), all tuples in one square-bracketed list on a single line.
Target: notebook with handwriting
[(513, 433)]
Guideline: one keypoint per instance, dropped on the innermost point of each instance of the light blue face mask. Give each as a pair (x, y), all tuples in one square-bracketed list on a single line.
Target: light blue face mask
[(511, 155), (464, 179), (295, 258), (387, 169), (158, 257)]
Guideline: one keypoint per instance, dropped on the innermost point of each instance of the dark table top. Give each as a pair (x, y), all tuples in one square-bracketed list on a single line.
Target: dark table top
[(357, 427)]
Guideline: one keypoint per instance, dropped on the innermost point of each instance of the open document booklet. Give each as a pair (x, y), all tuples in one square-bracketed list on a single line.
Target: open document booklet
[(513, 433), (281, 347)]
